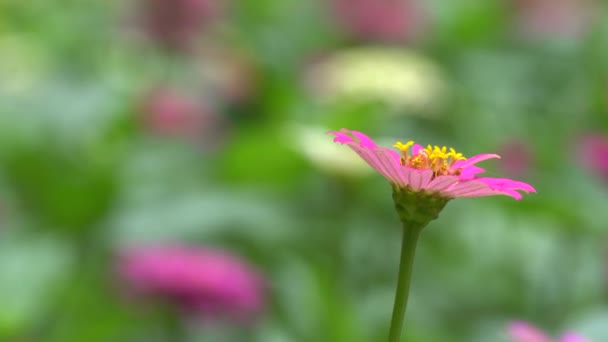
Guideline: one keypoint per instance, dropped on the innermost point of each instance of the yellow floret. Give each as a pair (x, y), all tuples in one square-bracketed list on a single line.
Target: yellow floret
[(455, 155), (404, 147), (435, 157)]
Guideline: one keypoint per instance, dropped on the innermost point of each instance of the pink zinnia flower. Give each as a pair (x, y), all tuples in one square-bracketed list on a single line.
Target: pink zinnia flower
[(516, 158), (379, 20), (431, 170), (171, 113), (174, 24), (567, 18), (593, 154), (524, 332), (199, 281), (424, 180)]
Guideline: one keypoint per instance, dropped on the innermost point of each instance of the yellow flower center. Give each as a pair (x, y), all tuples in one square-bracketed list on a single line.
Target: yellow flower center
[(439, 159)]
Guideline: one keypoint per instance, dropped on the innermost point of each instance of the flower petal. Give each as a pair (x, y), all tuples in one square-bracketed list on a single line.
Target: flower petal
[(479, 189), (416, 149), (341, 137), (442, 183), (512, 193), (418, 179), (371, 159), (364, 140), (470, 171), (524, 332), (482, 193), (464, 188), (474, 160), (504, 183), (392, 166), (572, 337)]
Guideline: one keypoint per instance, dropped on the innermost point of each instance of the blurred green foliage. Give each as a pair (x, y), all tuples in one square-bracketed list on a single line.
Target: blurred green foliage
[(83, 174)]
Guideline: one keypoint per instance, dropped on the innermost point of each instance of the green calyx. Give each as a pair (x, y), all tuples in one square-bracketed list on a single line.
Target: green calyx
[(417, 208)]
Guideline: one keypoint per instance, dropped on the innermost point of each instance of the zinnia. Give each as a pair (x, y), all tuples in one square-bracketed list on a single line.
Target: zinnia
[(593, 154), (423, 181), (175, 24), (195, 280), (431, 170), (169, 112), (379, 20), (524, 332), (554, 18), (517, 158)]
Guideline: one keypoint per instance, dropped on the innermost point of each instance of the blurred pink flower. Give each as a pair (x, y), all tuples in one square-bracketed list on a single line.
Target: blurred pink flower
[(378, 20), (200, 281), (174, 24), (432, 169), (524, 332), (553, 17), (516, 158), (168, 112), (593, 154)]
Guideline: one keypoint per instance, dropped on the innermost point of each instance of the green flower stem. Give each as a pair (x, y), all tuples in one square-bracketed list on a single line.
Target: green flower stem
[(416, 209), (408, 249)]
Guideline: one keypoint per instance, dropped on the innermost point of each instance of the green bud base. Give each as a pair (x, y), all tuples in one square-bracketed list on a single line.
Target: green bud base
[(417, 208)]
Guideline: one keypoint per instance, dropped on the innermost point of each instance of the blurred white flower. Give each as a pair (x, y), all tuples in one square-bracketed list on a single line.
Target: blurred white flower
[(311, 142), (397, 77)]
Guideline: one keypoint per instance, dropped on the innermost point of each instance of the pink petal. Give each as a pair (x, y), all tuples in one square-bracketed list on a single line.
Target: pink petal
[(524, 332), (479, 189), (572, 337), (515, 185), (465, 188), (474, 160), (387, 163), (476, 193), (416, 149), (511, 193), (418, 179), (504, 183), (442, 182), (341, 137), (371, 159), (364, 140), (469, 172), (395, 155), (391, 165), (501, 186)]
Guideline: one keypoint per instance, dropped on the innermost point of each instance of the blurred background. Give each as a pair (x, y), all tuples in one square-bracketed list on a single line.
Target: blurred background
[(193, 132)]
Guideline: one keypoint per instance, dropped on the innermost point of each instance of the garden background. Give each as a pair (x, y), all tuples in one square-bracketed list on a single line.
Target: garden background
[(203, 123)]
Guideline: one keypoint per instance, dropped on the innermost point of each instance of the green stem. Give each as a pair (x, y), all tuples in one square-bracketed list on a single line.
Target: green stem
[(408, 249)]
